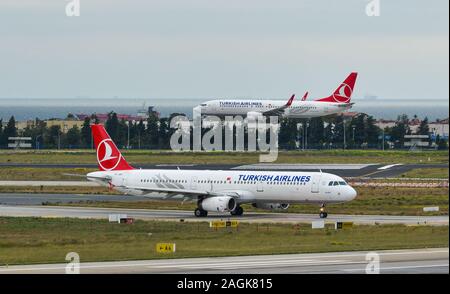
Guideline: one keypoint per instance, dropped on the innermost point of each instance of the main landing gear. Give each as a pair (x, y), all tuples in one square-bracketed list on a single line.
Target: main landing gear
[(323, 213), (200, 212), (237, 211)]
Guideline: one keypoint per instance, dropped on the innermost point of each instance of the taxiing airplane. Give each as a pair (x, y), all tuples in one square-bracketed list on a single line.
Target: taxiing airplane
[(216, 190), (337, 102)]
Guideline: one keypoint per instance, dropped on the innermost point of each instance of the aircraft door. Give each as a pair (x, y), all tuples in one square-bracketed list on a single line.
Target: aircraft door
[(259, 187), (315, 184)]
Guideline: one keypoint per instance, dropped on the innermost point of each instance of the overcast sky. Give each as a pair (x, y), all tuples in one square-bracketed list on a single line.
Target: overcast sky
[(223, 48)]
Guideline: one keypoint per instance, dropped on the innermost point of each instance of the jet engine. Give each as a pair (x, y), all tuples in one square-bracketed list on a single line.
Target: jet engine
[(271, 206), (219, 204)]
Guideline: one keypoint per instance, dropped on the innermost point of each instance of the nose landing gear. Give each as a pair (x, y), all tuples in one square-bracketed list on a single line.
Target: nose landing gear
[(323, 213)]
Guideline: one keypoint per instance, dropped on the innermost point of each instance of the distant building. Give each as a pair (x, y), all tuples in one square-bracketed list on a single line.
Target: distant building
[(65, 125), (438, 127)]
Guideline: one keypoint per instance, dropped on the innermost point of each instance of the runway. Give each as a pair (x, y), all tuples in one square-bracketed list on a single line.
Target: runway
[(343, 170), (177, 215), (417, 261)]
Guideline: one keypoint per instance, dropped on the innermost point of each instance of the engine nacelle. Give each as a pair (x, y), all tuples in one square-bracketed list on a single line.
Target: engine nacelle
[(271, 206), (219, 204)]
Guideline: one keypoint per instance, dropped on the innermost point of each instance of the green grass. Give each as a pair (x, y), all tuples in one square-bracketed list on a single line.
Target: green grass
[(40, 240), (423, 173), (370, 201), (43, 174), (167, 157)]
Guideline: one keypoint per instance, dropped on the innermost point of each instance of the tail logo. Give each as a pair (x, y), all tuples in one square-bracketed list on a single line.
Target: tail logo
[(343, 94), (108, 157)]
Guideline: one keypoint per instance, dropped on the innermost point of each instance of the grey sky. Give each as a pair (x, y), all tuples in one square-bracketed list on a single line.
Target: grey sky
[(222, 48)]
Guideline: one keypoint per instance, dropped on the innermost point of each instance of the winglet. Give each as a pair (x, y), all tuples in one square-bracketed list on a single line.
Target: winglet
[(290, 100), (305, 96)]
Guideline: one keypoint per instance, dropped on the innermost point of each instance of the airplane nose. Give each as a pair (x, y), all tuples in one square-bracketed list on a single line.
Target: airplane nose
[(351, 194)]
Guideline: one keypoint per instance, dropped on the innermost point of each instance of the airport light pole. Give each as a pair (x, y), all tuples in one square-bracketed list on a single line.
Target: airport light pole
[(345, 143), (383, 139), (128, 142), (306, 135), (353, 136)]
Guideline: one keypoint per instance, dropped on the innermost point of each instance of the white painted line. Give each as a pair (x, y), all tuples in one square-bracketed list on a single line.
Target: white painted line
[(389, 166)]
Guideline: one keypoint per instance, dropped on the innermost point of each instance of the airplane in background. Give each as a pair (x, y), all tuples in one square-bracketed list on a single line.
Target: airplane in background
[(337, 102), (216, 190)]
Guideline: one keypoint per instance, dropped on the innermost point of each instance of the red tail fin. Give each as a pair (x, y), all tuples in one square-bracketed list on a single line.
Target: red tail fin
[(305, 96), (343, 94), (290, 100), (108, 155)]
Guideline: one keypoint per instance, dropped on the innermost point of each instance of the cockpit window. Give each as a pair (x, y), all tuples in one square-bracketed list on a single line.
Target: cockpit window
[(330, 184), (343, 183), (203, 104), (336, 184)]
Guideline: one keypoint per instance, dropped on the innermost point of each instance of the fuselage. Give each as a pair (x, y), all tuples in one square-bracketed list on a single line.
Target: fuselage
[(251, 186), (298, 109)]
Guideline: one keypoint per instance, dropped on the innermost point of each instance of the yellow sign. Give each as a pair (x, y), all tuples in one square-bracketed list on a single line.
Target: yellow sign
[(165, 247), (223, 224), (344, 225)]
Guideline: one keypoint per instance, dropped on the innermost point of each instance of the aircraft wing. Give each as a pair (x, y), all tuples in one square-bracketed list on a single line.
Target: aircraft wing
[(188, 193), (280, 110)]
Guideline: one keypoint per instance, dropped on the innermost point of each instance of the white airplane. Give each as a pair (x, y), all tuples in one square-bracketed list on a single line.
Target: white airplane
[(337, 102), (216, 190)]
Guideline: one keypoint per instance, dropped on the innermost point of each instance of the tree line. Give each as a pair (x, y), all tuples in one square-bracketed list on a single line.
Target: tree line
[(330, 132)]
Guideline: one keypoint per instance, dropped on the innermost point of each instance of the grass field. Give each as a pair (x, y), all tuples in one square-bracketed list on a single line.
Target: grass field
[(43, 174), (41, 240), (424, 173), (370, 200), (167, 157)]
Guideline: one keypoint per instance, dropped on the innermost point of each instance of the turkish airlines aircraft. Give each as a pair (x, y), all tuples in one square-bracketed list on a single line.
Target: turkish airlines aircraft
[(218, 191), (337, 102)]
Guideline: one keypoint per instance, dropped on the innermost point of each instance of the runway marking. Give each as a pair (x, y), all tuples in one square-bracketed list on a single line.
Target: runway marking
[(389, 166), (379, 170), (223, 259)]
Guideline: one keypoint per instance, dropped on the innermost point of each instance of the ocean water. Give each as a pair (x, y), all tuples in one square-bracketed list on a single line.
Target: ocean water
[(44, 108)]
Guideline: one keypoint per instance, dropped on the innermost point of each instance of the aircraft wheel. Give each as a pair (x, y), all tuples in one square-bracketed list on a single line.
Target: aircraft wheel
[(200, 212), (323, 214), (237, 211)]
